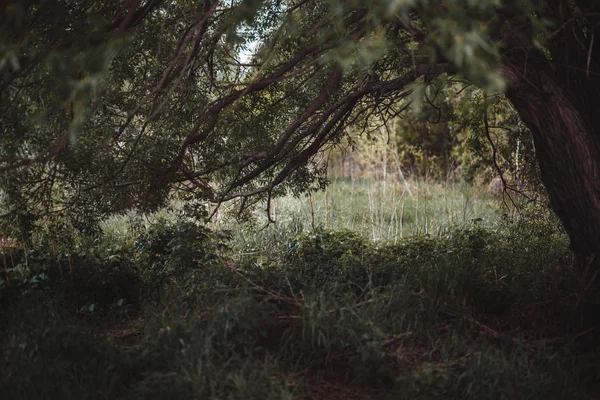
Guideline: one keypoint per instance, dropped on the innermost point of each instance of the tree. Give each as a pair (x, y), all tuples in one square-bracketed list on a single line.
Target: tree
[(108, 105)]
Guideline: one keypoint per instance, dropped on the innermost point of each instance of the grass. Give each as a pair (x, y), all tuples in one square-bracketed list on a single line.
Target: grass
[(389, 210), (378, 211), (464, 304)]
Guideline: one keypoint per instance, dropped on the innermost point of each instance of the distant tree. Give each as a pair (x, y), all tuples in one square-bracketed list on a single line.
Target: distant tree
[(426, 136), (107, 105)]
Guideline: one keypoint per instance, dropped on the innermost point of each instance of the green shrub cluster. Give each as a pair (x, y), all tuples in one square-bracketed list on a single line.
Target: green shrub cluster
[(181, 254), (511, 265)]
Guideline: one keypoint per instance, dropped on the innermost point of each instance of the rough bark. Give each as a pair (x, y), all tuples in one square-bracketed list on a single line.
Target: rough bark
[(557, 94), (567, 145)]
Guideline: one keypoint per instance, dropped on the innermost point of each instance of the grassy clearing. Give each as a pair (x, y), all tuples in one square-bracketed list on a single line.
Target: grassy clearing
[(476, 309), (389, 210), (379, 211)]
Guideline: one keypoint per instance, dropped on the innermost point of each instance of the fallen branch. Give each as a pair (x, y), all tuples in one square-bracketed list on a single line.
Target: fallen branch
[(272, 295)]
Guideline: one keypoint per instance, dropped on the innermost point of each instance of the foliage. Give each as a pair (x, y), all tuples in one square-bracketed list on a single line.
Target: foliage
[(107, 108), (427, 136), (452, 377), (462, 131), (327, 257), (328, 307), (181, 254)]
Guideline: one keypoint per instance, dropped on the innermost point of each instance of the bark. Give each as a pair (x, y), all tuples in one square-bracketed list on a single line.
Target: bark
[(557, 94), (567, 144)]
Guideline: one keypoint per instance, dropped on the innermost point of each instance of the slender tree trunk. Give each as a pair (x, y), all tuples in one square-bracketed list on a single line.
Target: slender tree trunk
[(567, 145)]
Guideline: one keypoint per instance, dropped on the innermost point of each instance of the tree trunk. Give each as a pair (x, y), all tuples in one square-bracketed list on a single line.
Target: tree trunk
[(567, 145)]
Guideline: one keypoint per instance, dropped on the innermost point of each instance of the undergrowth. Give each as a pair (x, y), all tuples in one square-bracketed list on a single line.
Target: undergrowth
[(472, 313)]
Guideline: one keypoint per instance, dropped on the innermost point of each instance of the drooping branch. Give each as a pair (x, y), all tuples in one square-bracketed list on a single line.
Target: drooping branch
[(328, 127)]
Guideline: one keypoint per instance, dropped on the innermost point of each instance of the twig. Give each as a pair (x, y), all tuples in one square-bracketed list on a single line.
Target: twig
[(397, 337), (273, 295), (495, 153), (493, 333)]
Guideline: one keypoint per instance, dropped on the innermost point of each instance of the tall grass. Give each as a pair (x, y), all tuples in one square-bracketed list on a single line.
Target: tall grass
[(381, 211)]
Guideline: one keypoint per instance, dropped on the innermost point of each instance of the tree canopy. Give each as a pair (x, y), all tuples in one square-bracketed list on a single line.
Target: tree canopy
[(110, 105)]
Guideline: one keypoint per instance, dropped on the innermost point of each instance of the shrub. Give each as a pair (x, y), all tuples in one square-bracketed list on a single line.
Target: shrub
[(325, 258), (180, 255)]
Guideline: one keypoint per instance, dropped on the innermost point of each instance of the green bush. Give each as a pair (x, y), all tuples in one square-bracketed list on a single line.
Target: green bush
[(326, 258), (179, 254)]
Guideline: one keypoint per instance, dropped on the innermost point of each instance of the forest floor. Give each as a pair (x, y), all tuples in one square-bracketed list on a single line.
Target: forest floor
[(463, 305)]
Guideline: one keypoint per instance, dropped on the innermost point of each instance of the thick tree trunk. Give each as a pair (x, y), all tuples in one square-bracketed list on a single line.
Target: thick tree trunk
[(557, 94), (567, 145)]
